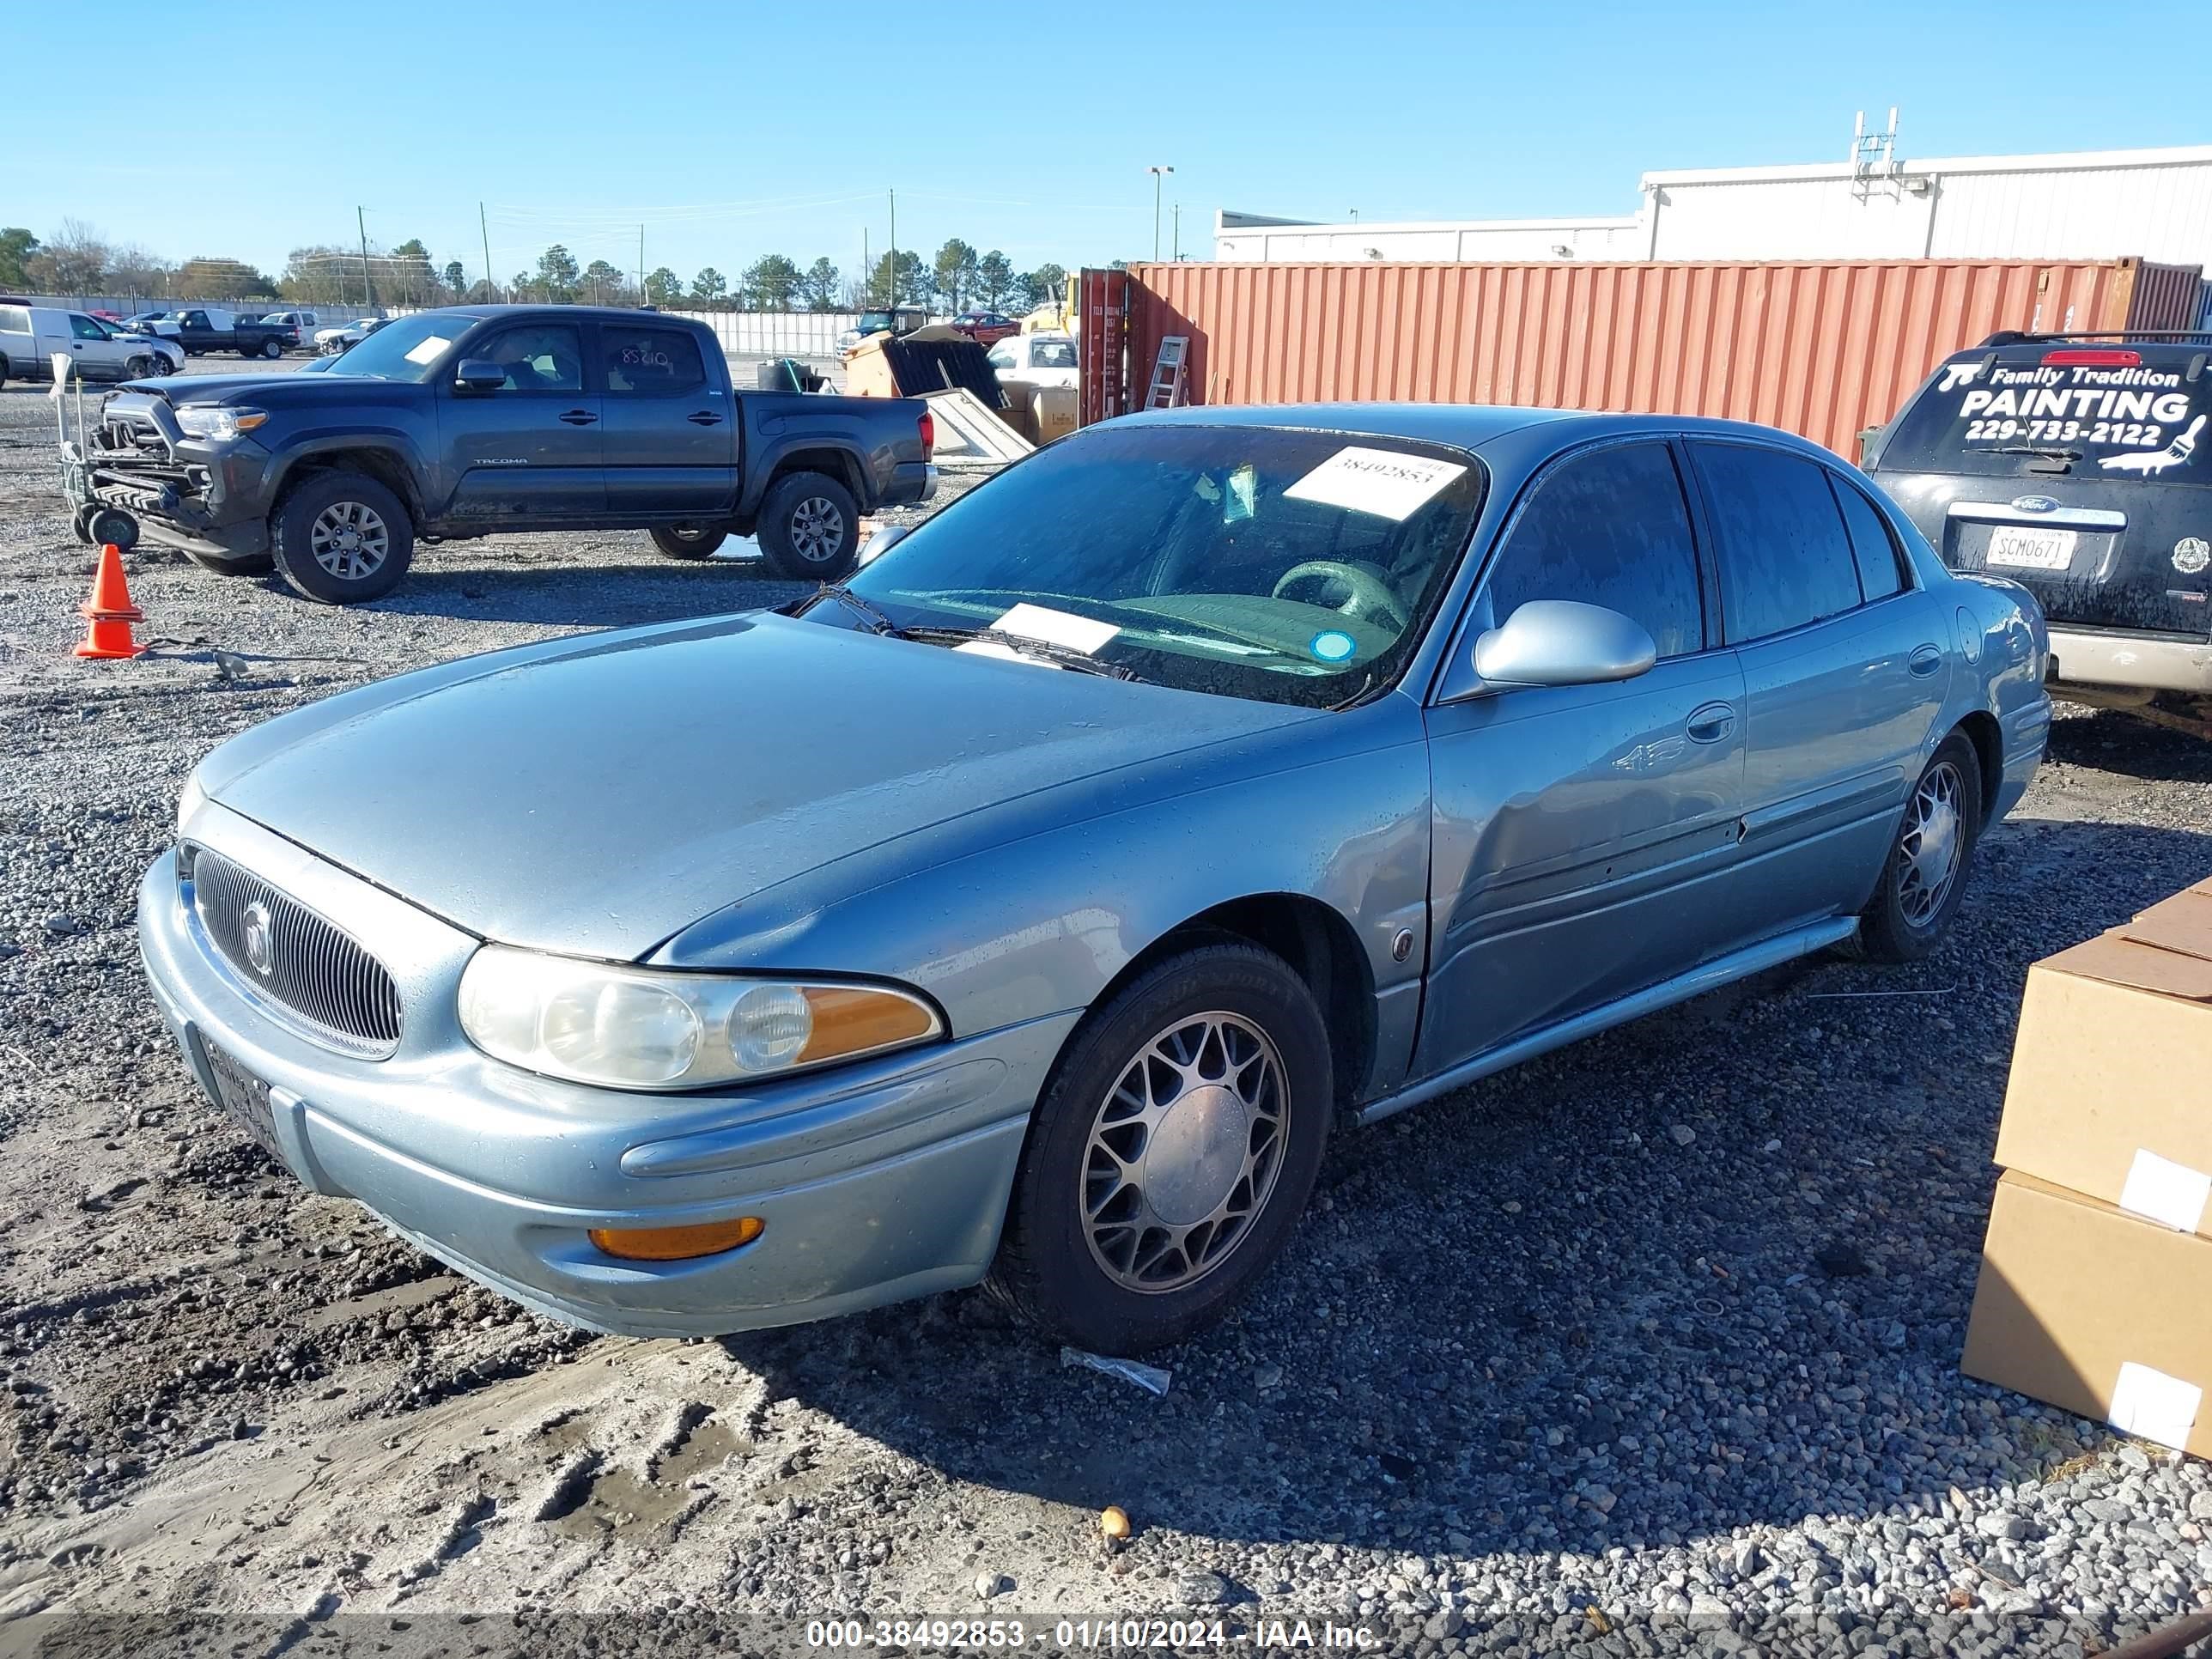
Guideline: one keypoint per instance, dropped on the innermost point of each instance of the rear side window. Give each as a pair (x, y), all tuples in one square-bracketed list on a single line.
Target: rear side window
[(1785, 560), (1608, 527), (652, 361), (14, 319), (1872, 545), (2085, 411)]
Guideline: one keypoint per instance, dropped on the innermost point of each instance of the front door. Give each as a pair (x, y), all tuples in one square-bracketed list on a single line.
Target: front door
[(1844, 671), (670, 435), (530, 449), (97, 352), (1585, 834)]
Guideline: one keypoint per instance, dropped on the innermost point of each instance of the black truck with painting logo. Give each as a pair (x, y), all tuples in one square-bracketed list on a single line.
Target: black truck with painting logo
[(484, 420), (2080, 466)]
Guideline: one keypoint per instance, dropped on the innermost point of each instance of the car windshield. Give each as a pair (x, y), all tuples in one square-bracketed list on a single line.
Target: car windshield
[(408, 348), (874, 322), (1263, 563), (2084, 412)]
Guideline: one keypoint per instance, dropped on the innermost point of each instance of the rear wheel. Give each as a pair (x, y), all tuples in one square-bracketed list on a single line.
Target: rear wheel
[(690, 541), (144, 366), (1926, 875), (4, 371), (342, 538), (272, 349), (1172, 1152), (810, 528)]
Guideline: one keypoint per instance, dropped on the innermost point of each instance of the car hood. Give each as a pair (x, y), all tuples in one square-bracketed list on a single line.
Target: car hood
[(597, 795)]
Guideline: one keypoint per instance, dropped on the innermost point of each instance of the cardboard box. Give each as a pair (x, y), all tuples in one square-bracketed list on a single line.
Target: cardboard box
[(2087, 1309), (1055, 407), (2110, 1091)]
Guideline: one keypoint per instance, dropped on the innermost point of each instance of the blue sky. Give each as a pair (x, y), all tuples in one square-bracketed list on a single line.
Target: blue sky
[(735, 130)]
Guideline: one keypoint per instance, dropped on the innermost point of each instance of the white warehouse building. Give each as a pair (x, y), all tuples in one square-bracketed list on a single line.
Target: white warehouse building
[(2096, 204)]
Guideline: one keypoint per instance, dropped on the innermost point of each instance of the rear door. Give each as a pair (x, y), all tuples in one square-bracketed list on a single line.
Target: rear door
[(531, 450), (1846, 668), (670, 435), (2081, 471)]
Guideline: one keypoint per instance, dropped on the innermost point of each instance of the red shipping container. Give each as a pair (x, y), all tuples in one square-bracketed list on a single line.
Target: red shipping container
[(1824, 347)]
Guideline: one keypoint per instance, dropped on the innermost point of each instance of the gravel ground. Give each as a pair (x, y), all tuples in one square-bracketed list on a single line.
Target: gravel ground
[(1649, 1346)]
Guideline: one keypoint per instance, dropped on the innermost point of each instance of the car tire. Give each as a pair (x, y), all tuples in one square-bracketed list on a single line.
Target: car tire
[(232, 564), (1226, 1026), (1929, 859), (143, 368), (4, 371), (686, 541), (342, 538), (810, 528), (107, 525), (272, 349)]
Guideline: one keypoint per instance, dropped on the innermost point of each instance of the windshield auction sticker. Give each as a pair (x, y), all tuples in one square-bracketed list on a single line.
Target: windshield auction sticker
[(1386, 483), (427, 348), (2131, 420), (1037, 622)]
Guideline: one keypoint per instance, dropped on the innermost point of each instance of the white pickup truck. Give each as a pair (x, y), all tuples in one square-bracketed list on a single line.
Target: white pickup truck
[(32, 336)]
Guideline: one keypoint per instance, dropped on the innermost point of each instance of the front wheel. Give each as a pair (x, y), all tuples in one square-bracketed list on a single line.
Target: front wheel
[(810, 528), (1170, 1153), (690, 541), (1929, 861), (342, 538)]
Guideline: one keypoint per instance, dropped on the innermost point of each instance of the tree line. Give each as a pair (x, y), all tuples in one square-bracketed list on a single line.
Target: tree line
[(78, 260)]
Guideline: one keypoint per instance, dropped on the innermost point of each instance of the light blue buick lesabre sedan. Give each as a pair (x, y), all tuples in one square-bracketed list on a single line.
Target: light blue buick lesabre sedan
[(1030, 908)]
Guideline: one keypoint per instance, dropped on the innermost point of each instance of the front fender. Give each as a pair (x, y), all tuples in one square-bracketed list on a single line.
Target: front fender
[(1032, 907), (392, 443)]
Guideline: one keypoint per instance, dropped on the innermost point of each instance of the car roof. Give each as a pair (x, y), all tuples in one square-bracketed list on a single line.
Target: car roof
[(624, 313), (1463, 426), (2160, 346)]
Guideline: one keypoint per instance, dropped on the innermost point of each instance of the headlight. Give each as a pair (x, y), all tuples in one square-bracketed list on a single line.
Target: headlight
[(217, 421), (639, 1028), (190, 800)]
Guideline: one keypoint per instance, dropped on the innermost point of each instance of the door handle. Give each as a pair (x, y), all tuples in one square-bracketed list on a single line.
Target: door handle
[(1925, 660), (704, 417), (580, 417), (1711, 723)]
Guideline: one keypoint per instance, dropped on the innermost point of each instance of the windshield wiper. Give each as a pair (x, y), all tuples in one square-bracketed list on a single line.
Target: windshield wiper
[(876, 620), (1066, 656)]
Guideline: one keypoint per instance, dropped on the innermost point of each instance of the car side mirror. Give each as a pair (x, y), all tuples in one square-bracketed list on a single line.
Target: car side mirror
[(881, 543), (479, 374), (1564, 642)]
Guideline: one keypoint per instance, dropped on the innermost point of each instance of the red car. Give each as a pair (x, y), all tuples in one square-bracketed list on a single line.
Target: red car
[(986, 327)]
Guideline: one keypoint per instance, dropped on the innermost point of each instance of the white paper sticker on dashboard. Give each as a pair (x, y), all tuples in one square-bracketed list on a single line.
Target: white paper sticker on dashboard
[(1387, 482), (427, 348), (1037, 622)]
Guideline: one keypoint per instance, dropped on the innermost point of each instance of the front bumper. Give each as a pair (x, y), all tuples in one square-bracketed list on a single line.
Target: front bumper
[(2140, 662), (879, 1180)]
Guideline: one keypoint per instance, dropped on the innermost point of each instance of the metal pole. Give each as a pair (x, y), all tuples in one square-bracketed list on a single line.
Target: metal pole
[(641, 264), (368, 291), (1178, 231), (894, 277), (491, 282), (1159, 178)]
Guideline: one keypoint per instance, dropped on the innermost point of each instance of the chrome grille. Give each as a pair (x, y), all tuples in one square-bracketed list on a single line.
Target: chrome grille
[(308, 966)]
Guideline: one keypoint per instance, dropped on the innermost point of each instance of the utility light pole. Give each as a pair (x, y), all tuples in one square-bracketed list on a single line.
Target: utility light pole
[(361, 222), (491, 282), (1160, 176), (894, 276), (1178, 232)]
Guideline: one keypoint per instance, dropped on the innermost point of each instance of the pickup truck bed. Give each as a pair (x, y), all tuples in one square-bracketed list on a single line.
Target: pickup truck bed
[(485, 420)]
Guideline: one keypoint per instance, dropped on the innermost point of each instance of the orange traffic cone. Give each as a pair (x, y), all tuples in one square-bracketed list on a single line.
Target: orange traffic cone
[(109, 612)]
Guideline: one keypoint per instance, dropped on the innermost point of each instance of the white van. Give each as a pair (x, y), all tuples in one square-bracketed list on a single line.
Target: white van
[(31, 336)]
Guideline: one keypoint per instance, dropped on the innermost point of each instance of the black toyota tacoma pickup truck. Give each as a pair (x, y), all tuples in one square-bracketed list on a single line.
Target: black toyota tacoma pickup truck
[(481, 420)]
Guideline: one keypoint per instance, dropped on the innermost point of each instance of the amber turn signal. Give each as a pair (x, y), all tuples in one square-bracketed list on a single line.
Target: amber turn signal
[(678, 1243)]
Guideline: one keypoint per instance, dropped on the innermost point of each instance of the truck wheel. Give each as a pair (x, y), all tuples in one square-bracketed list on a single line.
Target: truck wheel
[(142, 368), (342, 538), (223, 564), (810, 528), (272, 349), (4, 371), (690, 541)]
